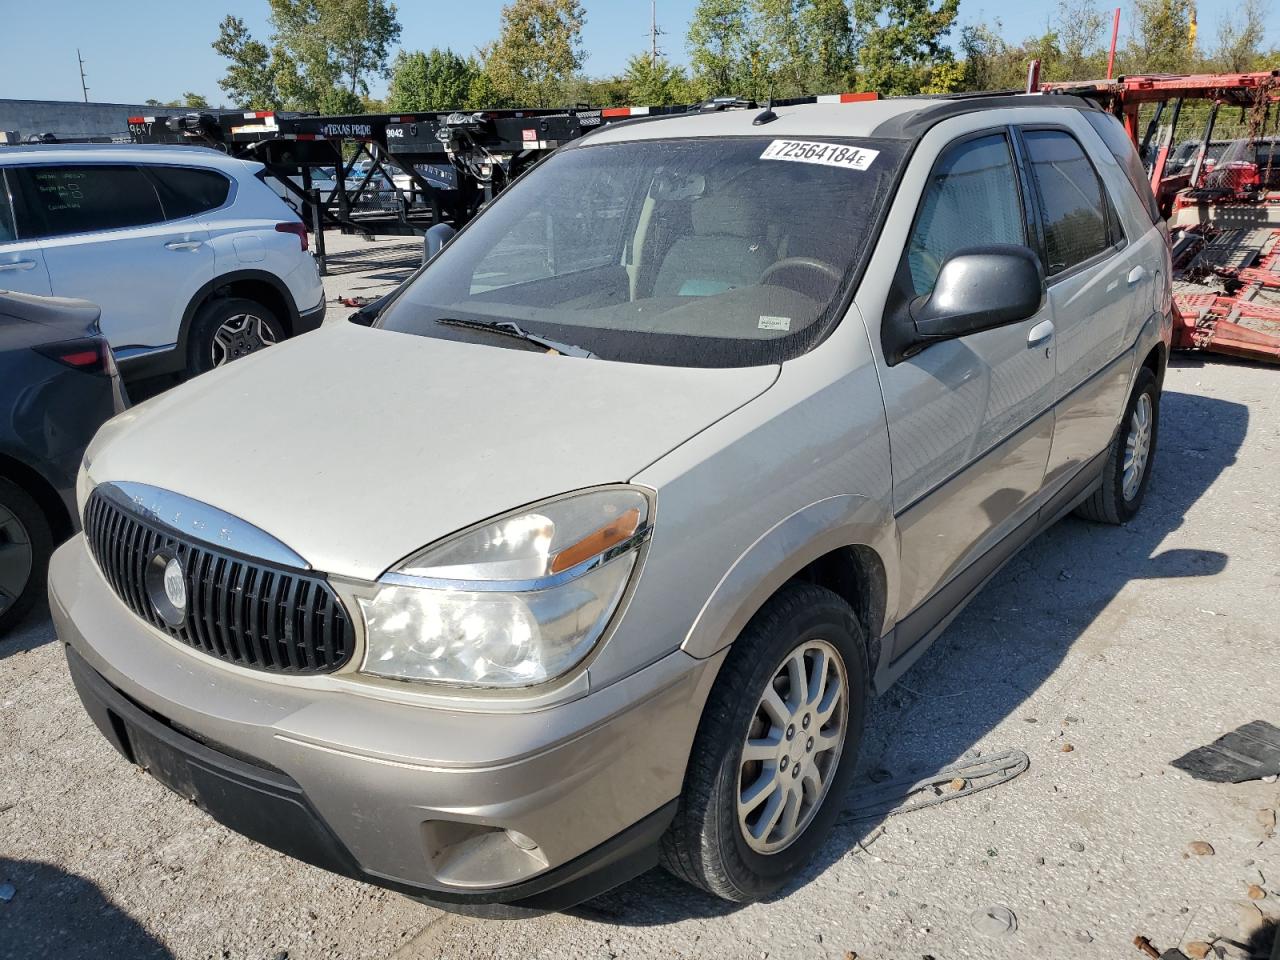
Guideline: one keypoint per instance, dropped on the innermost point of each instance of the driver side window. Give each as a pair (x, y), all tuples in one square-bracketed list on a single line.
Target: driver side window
[(972, 199)]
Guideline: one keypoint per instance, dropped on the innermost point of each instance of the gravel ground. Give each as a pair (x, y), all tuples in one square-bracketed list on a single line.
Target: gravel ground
[(1131, 645)]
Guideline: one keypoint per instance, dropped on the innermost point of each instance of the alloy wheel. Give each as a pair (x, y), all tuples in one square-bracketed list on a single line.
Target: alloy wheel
[(1137, 446), (792, 746), (15, 558), (240, 336)]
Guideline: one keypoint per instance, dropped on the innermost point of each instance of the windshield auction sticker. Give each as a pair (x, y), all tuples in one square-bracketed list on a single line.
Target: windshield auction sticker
[(827, 154)]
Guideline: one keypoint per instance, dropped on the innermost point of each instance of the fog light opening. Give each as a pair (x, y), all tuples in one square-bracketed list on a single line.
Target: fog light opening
[(521, 841)]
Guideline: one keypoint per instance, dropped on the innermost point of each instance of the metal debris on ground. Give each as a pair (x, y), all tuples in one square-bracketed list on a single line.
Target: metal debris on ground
[(914, 792), (1250, 752)]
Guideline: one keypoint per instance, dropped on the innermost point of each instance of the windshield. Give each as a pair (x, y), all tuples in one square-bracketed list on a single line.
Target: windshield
[(726, 252)]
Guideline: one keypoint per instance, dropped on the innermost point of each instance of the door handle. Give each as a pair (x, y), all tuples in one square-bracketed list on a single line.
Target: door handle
[(1040, 334), (184, 244), (1137, 274), (18, 265)]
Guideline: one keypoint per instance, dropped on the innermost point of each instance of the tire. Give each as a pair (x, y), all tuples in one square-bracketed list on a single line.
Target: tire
[(26, 543), (259, 328), (706, 844), (1112, 503)]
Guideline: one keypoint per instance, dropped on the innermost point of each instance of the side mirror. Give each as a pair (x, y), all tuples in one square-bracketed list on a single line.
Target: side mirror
[(435, 239), (977, 289)]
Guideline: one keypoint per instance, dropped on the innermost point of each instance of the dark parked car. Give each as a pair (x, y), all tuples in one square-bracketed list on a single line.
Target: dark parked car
[(58, 383)]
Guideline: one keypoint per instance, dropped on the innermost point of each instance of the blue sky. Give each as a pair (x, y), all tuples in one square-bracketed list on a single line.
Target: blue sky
[(140, 49)]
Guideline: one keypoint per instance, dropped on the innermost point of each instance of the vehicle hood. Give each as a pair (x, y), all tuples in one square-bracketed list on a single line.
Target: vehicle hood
[(357, 447)]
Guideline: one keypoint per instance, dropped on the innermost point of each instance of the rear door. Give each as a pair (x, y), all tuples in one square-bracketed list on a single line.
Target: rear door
[(106, 239), (22, 266), (971, 419), (1093, 277)]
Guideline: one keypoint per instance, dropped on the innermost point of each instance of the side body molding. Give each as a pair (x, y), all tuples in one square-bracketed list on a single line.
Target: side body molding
[(786, 548)]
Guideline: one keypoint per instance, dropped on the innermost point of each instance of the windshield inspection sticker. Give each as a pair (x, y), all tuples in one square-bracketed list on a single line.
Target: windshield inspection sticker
[(775, 323), (827, 154)]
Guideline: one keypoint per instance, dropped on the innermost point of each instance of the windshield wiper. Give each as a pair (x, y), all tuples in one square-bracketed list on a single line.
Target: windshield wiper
[(509, 328)]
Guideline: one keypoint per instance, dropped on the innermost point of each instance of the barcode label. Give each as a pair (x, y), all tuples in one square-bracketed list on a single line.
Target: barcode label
[(826, 154)]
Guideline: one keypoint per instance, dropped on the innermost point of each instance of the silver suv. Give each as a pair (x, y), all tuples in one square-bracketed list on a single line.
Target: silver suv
[(592, 548)]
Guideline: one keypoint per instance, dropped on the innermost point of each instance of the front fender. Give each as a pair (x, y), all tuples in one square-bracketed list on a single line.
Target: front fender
[(787, 548)]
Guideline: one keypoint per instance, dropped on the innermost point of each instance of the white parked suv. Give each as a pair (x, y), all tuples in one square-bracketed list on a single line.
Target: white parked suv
[(192, 258)]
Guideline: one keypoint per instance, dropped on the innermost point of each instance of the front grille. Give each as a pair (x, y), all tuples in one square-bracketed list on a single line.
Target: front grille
[(239, 610)]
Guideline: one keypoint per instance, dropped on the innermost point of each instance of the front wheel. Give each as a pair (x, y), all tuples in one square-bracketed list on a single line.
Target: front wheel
[(228, 329), (25, 545), (1130, 458), (775, 750)]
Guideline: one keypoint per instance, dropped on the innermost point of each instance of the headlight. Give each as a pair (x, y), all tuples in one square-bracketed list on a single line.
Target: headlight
[(512, 603)]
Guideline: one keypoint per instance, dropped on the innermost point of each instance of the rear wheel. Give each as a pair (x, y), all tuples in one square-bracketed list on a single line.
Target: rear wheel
[(228, 329), (1130, 458), (25, 545), (775, 749)]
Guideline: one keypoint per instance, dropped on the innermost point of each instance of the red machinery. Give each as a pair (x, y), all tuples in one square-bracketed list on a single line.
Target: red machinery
[(1222, 198)]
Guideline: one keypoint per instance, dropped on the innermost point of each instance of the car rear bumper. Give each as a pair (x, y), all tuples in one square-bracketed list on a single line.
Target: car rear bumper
[(438, 804), (310, 320)]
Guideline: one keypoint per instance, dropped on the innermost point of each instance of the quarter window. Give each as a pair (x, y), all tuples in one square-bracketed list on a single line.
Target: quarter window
[(1113, 135), (56, 201), (185, 192), (972, 200), (1071, 198)]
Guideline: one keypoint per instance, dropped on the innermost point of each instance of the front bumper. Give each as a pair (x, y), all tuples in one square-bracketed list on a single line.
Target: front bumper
[(419, 799)]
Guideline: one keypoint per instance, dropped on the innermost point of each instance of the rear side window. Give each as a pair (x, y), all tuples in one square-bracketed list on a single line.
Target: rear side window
[(56, 201), (185, 191), (1112, 132), (1071, 199), (972, 200)]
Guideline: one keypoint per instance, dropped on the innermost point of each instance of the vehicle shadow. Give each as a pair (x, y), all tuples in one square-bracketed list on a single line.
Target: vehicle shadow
[(1005, 645), (58, 914), (32, 631)]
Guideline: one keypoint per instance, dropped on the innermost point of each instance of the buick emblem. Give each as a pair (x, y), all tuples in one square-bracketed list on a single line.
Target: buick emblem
[(175, 584), (166, 584)]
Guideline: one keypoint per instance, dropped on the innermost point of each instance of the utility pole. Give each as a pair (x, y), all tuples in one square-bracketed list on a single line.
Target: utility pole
[(83, 88), (655, 31)]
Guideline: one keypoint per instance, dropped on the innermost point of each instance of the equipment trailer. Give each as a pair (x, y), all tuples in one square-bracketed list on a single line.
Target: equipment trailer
[(1222, 199)]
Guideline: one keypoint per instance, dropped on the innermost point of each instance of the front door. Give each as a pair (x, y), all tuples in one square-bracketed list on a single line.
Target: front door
[(970, 420), (22, 266)]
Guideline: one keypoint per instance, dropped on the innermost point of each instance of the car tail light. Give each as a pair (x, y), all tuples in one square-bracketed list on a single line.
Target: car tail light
[(90, 354), (298, 229)]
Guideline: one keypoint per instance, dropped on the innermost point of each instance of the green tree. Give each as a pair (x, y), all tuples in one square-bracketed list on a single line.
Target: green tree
[(782, 47), (437, 80), (650, 84), (321, 54), (250, 77), (721, 47), (537, 54), (1079, 29), (901, 44), (195, 101), (1239, 46), (827, 27), (989, 61), (1161, 41)]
